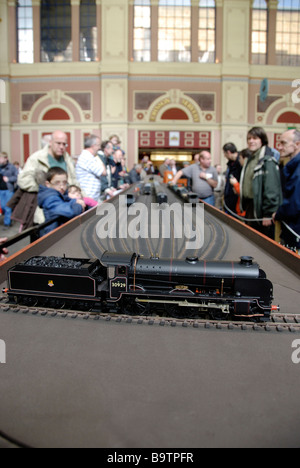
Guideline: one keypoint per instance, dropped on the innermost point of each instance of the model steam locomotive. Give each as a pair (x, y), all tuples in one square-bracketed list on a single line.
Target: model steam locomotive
[(134, 285)]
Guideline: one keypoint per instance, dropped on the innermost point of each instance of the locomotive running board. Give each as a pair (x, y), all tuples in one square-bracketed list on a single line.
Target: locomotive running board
[(224, 308)]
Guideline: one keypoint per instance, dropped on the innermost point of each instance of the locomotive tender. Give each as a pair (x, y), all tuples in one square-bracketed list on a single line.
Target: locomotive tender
[(135, 285)]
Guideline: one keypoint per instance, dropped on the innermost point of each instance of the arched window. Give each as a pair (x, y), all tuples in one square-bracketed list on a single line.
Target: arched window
[(174, 31), (289, 118), (25, 31), (288, 33), (56, 114), (207, 31), (56, 31), (88, 31), (142, 31), (174, 114), (259, 47)]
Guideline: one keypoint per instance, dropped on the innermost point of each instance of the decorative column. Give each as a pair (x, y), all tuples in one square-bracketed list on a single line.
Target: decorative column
[(130, 29), (195, 31), (219, 31), (75, 4), (236, 27), (272, 7), (12, 21), (8, 55), (99, 19), (235, 71), (154, 30), (36, 10), (114, 69)]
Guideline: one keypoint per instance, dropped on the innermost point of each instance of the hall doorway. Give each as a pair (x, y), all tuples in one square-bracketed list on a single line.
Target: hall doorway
[(180, 146)]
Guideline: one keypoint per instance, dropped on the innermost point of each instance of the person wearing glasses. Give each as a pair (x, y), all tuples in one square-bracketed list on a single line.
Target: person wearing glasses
[(53, 154), (54, 200)]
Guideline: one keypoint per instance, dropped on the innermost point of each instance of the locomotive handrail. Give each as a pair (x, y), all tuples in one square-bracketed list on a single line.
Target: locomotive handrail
[(30, 232)]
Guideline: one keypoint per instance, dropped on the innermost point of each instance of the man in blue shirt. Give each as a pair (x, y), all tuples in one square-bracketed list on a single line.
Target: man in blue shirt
[(289, 212)]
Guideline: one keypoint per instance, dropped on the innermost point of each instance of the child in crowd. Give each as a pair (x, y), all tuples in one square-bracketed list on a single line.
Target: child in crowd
[(237, 189), (75, 193), (54, 200)]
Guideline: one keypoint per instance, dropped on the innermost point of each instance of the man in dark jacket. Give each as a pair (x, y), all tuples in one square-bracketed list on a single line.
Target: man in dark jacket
[(105, 155), (8, 179), (234, 169), (261, 193), (289, 211)]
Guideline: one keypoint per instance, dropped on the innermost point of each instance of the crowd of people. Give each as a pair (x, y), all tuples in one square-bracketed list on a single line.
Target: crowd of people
[(260, 186), (36, 194), (54, 186)]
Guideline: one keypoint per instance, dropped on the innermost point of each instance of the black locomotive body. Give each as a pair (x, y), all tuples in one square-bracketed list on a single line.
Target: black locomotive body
[(131, 284), (53, 280)]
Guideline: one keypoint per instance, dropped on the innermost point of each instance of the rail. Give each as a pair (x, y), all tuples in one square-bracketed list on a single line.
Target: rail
[(278, 322)]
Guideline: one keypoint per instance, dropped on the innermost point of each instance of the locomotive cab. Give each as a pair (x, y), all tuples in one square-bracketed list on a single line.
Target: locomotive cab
[(117, 265)]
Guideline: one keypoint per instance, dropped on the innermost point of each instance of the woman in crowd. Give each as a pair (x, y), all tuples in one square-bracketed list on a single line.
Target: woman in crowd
[(261, 193)]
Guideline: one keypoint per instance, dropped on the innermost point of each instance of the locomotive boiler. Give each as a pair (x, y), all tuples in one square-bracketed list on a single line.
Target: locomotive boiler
[(134, 285)]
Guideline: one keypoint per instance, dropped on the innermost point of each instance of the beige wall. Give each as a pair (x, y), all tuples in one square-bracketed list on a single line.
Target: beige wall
[(114, 81)]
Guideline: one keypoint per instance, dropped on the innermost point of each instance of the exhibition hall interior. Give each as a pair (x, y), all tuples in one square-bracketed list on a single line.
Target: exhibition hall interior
[(149, 225)]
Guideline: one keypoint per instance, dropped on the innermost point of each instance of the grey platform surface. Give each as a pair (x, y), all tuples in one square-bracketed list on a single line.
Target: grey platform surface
[(78, 383), (86, 383)]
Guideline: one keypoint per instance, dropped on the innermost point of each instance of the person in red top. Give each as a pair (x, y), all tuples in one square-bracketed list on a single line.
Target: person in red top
[(237, 189)]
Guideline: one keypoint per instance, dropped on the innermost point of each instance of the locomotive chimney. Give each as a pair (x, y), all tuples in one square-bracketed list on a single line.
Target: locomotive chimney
[(247, 261)]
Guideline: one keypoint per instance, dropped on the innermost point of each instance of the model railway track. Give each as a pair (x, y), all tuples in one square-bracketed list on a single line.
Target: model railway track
[(215, 239), (278, 323)]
